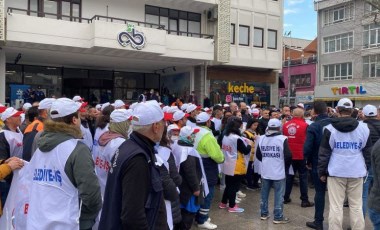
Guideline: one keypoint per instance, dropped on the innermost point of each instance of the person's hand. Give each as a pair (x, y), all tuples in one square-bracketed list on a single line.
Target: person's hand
[(197, 193), (323, 179), (15, 163)]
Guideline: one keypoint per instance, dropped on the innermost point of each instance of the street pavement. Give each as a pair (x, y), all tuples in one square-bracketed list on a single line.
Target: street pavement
[(250, 218)]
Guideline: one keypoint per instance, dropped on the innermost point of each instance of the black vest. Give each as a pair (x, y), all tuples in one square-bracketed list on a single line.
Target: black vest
[(110, 218)]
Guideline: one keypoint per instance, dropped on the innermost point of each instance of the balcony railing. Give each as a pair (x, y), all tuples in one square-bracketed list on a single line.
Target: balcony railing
[(301, 61), (109, 19)]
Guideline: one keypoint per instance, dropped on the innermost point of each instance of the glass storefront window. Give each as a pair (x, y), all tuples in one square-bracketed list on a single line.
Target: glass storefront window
[(75, 73), (50, 7), (172, 86), (239, 91), (45, 79), (128, 86)]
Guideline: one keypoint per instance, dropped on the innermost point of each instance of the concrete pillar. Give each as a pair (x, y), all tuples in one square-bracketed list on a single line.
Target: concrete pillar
[(199, 83), (274, 92), (2, 76)]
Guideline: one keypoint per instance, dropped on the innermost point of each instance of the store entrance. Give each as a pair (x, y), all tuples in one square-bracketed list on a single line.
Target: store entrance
[(94, 91)]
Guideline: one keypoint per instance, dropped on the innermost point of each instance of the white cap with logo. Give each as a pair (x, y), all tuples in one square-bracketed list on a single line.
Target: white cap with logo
[(63, 107), (147, 113), (105, 105), (345, 103), (118, 104), (46, 103), (184, 107), (203, 117), (190, 108), (10, 112), (370, 111), (274, 123), (120, 115), (78, 99), (179, 115), (173, 127), (187, 131), (27, 106)]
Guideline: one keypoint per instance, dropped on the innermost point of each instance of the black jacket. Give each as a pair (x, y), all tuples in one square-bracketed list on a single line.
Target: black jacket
[(313, 140), (374, 196), (374, 129), (134, 195), (191, 173), (342, 124), (263, 124), (170, 181)]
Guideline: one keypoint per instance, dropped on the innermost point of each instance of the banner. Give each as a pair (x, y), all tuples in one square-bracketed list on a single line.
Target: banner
[(17, 92)]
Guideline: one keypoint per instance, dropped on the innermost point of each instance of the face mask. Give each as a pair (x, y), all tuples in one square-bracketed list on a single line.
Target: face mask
[(174, 138)]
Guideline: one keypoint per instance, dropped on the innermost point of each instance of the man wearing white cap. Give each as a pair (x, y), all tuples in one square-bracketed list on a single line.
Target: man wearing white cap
[(344, 156), (180, 118), (274, 153), (78, 99), (209, 149), (36, 126), (119, 104), (370, 118), (10, 143), (192, 110), (134, 179), (64, 181)]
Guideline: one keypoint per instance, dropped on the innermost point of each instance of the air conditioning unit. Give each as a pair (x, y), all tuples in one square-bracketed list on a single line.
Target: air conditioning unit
[(212, 14)]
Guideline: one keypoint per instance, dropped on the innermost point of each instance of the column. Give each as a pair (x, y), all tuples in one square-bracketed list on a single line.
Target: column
[(2, 76)]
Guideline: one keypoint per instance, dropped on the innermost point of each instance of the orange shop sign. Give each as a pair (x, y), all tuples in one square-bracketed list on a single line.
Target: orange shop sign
[(240, 88)]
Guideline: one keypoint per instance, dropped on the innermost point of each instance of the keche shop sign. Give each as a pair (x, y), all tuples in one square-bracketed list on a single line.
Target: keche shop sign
[(240, 88)]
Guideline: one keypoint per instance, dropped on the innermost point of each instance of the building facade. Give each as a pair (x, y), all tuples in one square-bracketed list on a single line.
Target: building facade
[(300, 63), (348, 40), (104, 50)]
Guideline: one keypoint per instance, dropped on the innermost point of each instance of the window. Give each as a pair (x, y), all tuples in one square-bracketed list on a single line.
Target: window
[(371, 36), (258, 37), (301, 80), (69, 10), (368, 8), (232, 34), (243, 35), (338, 14), (371, 66), (336, 72), (272, 39), (175, 21), (339, 42)]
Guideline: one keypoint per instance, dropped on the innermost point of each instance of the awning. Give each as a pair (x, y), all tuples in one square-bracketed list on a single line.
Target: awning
[(374, 98)]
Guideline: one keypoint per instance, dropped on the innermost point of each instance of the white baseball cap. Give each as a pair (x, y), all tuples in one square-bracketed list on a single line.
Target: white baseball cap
[(172, 109), (63, 107), (10, 112), (184, 107), (133, 105), (226, 105), (147, 113), (370, 111), (203, 117), (118, 104), (345, 103), (173, 127), (178, 115), (187, 131), (190, 108), (98, 107), (301, 105), (274, 123), (46, 103), (105, 105), (206, 109), (165, 109), (253, 106), (255, 111), (78, 99), (120, 115), (27, 106)]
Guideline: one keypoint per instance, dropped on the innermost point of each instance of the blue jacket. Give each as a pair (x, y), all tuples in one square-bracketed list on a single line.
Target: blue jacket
[(313, 140)]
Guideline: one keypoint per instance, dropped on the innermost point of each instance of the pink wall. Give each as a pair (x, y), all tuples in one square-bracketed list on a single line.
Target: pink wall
[(296, 70)]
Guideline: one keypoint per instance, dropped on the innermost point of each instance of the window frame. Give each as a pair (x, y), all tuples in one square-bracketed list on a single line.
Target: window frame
[(332, 68), (234, 34), (367, 70), (347, 9), (276, 40), (249, 37), (41, 11), (262, 37), (338, 39)]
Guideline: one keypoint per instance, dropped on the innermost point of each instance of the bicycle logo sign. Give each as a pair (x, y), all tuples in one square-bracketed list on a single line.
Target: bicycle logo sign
[(133, 37)]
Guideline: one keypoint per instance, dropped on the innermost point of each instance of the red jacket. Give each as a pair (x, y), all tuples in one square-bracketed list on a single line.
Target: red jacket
[(295, 130)]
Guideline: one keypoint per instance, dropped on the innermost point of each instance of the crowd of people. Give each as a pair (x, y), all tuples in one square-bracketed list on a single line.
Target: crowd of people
[(67, 165)]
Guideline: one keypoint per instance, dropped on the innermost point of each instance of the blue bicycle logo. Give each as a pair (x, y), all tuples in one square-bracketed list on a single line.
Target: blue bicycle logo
[(133, 37)]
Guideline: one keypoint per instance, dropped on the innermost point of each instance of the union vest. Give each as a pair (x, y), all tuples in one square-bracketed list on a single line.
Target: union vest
[(54, 201), (347, 159), (234, 163), (272, 150), (102, 157), (14, 140), (87, 137), (98, 133)]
